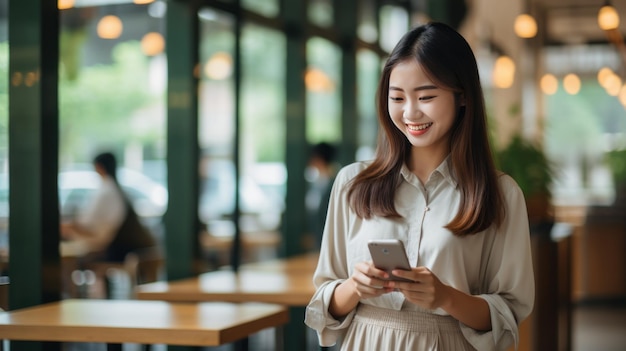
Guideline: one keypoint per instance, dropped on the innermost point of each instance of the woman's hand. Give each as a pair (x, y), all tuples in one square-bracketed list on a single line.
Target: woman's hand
[(369, 281), (426, 290), (366, 282)]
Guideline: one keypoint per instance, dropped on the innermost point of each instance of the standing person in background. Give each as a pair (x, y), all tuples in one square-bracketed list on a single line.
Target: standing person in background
[(433, 185), (321, 173), (108, 225)]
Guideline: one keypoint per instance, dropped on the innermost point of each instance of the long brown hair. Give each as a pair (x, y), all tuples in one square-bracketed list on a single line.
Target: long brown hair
[(449, 61)]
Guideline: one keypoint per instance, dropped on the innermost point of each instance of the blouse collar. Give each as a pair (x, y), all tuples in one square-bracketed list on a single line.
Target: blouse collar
[(444, 170)]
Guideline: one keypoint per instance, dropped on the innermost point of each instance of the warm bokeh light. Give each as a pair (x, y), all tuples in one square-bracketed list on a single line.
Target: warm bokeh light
[(608, 18), (142, 2), (525, 26), (152, 44), (571, 84), (504, 72), (219, 66), (110, 27), (613, 84), (318, 81), (549, 84), (65, 4), (603, 74)]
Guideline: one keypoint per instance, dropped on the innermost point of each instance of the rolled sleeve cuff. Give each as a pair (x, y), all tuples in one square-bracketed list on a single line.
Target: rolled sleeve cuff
[(317, 317), (504, 330)]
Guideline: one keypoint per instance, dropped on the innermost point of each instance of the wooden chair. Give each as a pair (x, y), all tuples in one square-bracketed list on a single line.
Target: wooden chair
[(119, 279)]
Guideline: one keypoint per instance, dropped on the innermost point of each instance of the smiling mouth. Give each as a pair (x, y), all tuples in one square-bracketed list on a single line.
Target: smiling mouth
[(416, 127)]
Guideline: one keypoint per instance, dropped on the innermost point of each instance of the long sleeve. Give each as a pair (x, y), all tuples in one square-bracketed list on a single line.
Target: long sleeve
[(332, 268), (507, 275)]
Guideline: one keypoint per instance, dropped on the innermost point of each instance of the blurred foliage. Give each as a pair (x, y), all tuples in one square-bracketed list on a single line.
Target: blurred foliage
[(616, 160), (263, 92), (97, 106), (528, 164)]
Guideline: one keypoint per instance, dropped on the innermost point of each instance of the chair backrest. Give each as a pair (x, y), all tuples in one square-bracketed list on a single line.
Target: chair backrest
[(144, 265)]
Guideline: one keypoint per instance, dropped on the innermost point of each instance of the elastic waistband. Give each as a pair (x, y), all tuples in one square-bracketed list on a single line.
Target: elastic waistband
[(413, 321)]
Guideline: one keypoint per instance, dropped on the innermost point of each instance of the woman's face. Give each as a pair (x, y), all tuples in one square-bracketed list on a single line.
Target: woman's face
[(420, 109)]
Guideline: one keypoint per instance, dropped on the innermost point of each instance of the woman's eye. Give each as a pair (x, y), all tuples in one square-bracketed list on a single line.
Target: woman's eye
[(395, 98), (426, 98)]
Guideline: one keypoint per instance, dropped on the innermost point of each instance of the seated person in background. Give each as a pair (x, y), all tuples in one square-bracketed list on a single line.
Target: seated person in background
[(108, 225), (321, 171)]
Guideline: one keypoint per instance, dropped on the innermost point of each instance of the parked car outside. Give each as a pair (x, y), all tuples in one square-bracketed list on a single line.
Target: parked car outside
[(260, 207)]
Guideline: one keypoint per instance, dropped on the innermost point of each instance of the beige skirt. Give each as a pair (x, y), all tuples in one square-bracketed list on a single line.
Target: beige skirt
[(375, 328)]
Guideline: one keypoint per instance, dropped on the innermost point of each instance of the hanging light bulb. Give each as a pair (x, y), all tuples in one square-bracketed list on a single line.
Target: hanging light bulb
[(152, 44), (608, 18), (219, 66), (110, 27), (549, 84), (65, 4), (571, 84), (603, 74), (525, 26), (613, 84), (503, 72)]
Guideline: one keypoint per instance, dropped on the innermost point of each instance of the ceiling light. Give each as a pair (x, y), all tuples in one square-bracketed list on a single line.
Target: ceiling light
[(65, 4), (603, 74), (110, 27), (613, 84), (549, 84), (219, 66), (152, 44), (503, 72), (608, 18), (525, 26), (571, 84)]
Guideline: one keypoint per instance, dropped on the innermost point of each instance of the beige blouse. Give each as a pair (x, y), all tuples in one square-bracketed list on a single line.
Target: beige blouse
[(496, 265)]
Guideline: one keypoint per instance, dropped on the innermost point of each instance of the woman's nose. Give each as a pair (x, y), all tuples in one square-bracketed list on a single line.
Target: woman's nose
[(411, 110)]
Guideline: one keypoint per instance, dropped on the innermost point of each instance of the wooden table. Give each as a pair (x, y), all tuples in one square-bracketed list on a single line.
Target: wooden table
[(304, 263), (285, 281), (143, 322), (286, 288)]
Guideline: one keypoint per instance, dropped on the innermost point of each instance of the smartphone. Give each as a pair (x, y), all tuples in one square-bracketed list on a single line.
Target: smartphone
[(389, 254)]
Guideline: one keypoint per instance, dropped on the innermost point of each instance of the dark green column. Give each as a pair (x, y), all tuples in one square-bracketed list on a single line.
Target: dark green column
[(181, 219), (33, 153), (451, 12), (33, 158), (296, 150), (346, 20)]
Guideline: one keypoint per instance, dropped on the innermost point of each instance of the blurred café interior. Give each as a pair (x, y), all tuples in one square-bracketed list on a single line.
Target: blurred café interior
[(212, 106)]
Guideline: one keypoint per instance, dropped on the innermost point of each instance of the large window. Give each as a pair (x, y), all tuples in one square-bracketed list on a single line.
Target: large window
[(217, 128), (111, 98), (263, 128), (323, 87), (582, 126), (368, 73)]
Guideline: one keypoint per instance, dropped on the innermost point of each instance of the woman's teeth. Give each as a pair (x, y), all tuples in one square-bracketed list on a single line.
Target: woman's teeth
[(419, 127)]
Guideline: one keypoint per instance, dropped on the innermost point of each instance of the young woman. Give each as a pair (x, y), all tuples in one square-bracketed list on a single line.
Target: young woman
[(433, 185)]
